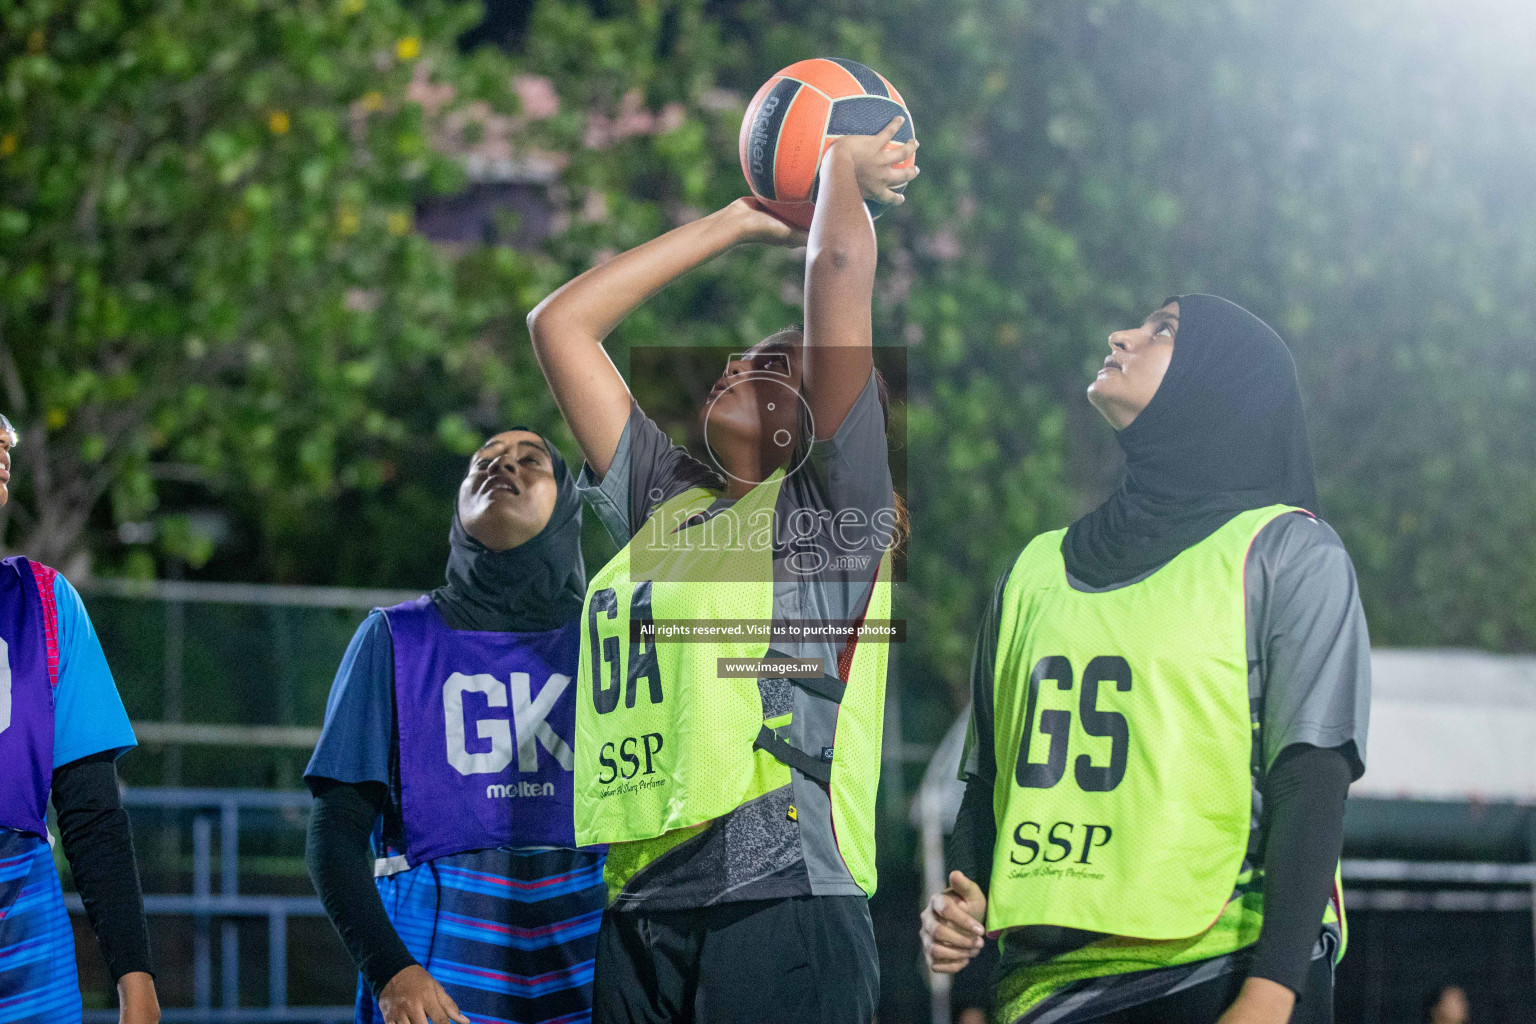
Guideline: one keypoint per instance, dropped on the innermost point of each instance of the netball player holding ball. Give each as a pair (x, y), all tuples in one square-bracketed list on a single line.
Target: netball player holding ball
[(732, 895), (1170, 703)]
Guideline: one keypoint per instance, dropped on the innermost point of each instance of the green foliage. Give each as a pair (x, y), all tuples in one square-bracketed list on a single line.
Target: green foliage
[(208, 267), (177, 272)]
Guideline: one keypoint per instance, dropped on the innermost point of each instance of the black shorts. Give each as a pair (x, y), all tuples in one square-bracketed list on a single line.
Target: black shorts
[(805, 958), (1206, 1002)]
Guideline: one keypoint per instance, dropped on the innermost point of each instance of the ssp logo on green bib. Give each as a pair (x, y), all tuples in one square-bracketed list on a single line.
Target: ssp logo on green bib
[(662, 742), (1123, 739)]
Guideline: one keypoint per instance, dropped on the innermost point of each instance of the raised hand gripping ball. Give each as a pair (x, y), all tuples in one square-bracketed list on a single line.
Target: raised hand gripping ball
[(797, 114)]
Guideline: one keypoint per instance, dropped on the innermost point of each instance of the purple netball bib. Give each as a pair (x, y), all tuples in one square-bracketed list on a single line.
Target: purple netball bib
[(29, 671), (486, 722)]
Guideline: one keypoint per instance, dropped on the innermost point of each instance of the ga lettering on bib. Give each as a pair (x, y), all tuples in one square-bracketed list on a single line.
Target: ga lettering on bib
[(662, 740)]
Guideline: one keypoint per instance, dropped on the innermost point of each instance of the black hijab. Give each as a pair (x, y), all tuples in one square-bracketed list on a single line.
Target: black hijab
[(1223, 434), (535, 586)]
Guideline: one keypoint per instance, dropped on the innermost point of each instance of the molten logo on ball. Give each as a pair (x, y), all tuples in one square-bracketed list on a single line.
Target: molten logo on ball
[(760, 133)]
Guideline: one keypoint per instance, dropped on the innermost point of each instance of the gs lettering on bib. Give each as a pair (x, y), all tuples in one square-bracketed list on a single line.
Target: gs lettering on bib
[(485, 723), (1123, 739)]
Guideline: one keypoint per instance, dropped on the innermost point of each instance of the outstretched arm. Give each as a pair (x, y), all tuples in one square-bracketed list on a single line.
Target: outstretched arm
[(840, 269), (569, 326)]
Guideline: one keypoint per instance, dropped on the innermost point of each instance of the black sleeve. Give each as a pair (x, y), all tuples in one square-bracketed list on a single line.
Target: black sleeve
[(970, 845), (99, 846), (1303, 797), (340, 862)]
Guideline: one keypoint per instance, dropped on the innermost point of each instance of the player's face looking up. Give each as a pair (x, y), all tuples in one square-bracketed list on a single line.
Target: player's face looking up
[(1134, 368), (509, 492), (750, 417), (8, 439)]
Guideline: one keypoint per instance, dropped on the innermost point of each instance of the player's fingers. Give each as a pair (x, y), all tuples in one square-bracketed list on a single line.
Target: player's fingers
[(898, 154), (936, 904), (450, 1009), (889, 131), (900, 175), (966, 889), (955, 938), (953, 913), (940, 957), (937, 952), (939, 914), (416, 1013)]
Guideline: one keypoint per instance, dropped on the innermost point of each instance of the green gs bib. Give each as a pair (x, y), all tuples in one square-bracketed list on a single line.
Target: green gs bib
[(1124, 740), (662, 741)]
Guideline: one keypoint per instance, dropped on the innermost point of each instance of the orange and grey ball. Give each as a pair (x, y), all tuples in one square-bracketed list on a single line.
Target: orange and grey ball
[(797, 114)]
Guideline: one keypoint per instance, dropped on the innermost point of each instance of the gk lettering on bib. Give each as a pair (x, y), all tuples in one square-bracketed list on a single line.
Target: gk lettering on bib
[(1123, 741), (485, 723)]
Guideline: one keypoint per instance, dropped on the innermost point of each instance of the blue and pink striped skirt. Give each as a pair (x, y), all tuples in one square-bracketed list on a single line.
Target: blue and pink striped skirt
[(510, 935), (37, 945)]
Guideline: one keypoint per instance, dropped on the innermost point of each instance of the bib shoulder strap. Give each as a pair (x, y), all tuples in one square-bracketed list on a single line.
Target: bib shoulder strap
[(1039, 564), (826, 686), (409, 622), (43, 577), (1256, 519), (697, 499), (818, 768)]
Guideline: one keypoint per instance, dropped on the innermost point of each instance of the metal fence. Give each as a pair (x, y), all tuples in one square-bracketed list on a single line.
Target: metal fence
[(253, 662), (222, 809), (251, 666)]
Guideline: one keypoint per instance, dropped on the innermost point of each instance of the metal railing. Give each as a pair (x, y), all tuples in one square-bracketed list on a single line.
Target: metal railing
[(1500, 887), (227, 907), (175, 645)]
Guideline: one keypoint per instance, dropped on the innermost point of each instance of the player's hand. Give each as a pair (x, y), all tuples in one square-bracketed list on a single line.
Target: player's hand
[(136, 999), (414, 997), (952, 928), (1261, 1001), (755, 223), (874, 162)]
